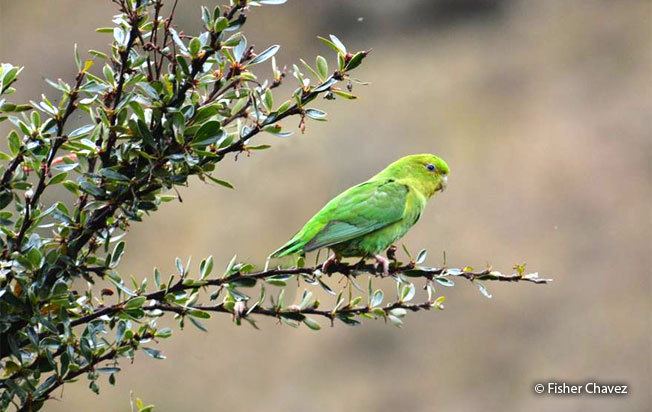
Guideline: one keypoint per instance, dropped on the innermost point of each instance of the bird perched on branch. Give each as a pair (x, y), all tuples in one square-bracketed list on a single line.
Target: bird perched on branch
[(366, 219)]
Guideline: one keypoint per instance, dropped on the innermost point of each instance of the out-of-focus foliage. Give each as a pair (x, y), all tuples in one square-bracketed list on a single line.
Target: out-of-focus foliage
[(159, 107)]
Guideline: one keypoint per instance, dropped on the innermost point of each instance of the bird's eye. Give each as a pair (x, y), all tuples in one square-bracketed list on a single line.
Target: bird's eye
[(430, 167)]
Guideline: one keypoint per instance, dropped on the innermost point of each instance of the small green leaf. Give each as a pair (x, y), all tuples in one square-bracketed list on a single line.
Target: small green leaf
[(483, 289), (135, 303), (108, 369), (206, 267), (355, 60), (14, 142), (194, 46), (407, 292), (209, 133), (379, 312), (340, 46), (265, 55), (316, 114), (220, 182), (305, 299), (421, 256), (177, 40), (220, 24), (311, 323), (377, 298), (326, 287), (154, 353), (395, 320), (398, 312), (112, 174), (259, 147), (196, 313), (330, 44), (276, 282), (34, 258), (268, 100), (322, 67), (47, 384), (56, 179), (81, 131), (345, 95), (90, 188), (118, 251), (239, 105), (164, 333), (71, 187), (276, 131), (445, 282)]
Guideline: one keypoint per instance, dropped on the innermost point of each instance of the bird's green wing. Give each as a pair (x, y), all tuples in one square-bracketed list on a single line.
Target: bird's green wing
[(359, 211)]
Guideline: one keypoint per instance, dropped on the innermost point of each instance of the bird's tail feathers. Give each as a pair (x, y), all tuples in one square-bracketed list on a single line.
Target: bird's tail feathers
[(290, 248)]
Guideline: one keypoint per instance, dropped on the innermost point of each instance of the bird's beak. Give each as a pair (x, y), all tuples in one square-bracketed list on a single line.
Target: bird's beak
[(444, 183)]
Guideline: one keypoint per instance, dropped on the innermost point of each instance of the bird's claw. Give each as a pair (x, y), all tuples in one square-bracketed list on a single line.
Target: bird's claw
[(332, 260), (391, 253), (383, 262)]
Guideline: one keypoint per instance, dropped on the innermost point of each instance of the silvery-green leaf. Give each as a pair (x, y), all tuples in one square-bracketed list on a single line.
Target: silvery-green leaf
[(154, 353), (445, 282), (311, 323), (408, 292), (316, 114), (340, 46), (483, 289), (377, 298), (240, 48), (265, 55)]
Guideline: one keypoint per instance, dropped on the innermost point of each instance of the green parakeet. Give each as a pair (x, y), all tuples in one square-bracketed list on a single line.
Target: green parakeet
[(366, 219)]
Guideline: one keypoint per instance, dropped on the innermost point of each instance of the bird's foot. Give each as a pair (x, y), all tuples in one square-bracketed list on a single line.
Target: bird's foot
[(383, 262), (332, 260), (360, 264), (391, 253)]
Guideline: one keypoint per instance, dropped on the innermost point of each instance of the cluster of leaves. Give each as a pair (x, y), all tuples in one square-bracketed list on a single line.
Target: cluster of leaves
[(160, 107)]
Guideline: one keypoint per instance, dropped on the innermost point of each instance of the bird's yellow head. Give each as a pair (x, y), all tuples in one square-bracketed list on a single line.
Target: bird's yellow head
[(425, 172)]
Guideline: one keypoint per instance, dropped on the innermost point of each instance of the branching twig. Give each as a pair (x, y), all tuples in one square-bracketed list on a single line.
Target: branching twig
[(134, 33), (59, 140), (342, 268), (110, 354), (293, 313)]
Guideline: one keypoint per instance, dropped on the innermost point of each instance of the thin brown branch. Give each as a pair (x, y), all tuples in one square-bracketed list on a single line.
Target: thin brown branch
[(166, 33), (134, 33), (294, 313), (59, 140), (154, 39), (345, 269), (9, 173)]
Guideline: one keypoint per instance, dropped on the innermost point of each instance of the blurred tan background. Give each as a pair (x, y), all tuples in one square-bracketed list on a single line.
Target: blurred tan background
[(543, 111)]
